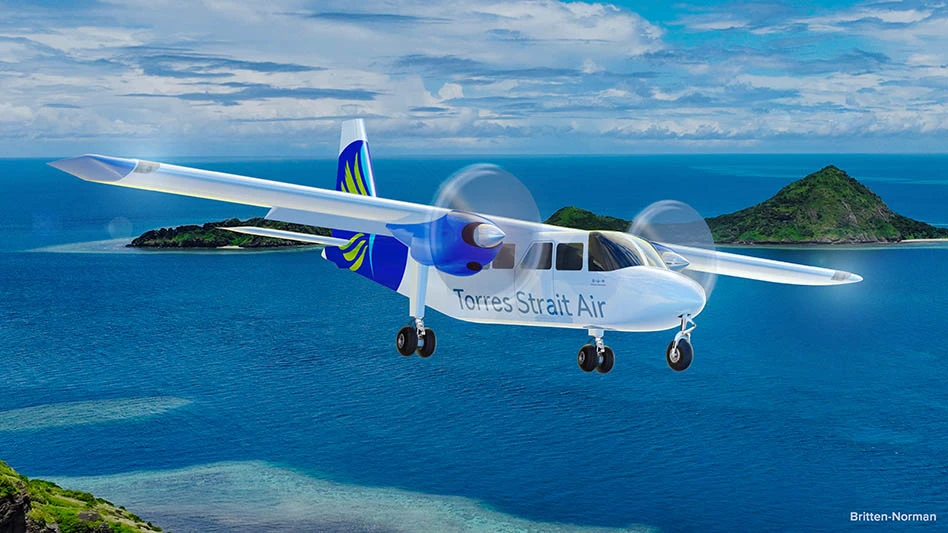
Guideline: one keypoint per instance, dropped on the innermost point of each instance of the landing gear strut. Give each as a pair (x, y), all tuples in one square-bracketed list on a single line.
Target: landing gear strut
[(680, 352), (596, 356), (415, 337)]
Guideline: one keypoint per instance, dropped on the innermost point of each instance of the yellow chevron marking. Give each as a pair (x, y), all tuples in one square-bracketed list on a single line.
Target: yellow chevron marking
[(352, 241), (358, 176), (350, 255), (349, 185), (358, 263)]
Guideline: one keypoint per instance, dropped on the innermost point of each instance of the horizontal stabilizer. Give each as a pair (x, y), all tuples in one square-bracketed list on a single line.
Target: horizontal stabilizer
[(744, 266), (288, 235)]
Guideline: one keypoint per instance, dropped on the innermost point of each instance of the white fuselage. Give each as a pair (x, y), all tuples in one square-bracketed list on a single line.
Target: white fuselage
[(634, 298)]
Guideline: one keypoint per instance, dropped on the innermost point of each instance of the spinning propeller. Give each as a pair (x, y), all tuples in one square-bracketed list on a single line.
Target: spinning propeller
[(486, 207), (672, 224)]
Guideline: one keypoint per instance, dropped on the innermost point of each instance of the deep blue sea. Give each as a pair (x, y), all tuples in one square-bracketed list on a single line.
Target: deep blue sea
[(261, 391)]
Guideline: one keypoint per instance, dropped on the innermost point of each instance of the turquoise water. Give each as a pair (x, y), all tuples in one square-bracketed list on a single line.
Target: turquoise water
[(246, 390)]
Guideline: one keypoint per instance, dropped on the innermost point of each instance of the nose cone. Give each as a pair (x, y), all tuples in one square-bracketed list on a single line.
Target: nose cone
[(488, 235), (688, 295)]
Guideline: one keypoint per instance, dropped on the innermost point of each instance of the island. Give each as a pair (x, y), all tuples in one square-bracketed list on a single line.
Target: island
[(210, 235), (37, 506), (826, 207)]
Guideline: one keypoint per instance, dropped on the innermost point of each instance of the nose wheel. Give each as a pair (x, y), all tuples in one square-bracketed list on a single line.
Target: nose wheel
[(598, 356), (680, 353)]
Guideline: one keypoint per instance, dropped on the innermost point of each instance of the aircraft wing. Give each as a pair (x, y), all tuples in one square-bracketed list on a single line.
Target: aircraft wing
[(298, 203), (288, 202), (744, 266)]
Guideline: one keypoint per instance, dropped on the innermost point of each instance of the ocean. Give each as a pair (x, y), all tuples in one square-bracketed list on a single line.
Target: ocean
[(261, 390)]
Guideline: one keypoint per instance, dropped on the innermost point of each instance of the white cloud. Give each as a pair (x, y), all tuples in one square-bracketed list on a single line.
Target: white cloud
[(450, 90), (473, 73)]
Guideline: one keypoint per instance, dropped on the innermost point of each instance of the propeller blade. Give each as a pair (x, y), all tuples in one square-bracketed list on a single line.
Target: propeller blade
[(671, 226)]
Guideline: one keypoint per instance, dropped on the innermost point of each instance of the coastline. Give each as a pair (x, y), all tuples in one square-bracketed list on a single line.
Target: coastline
[(905, 244), (121, 246)]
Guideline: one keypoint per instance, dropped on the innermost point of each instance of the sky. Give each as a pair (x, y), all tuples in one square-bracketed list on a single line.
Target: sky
[(227, 77)]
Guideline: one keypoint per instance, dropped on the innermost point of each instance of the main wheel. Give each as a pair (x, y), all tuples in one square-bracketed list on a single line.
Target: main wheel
[(608, 361), (679, 359), (430, 341), (588, 358), (407, 341)]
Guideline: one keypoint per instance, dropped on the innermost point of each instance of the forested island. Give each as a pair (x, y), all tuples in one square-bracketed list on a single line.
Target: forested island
[(37, 506), (826, 207), (210, 235)]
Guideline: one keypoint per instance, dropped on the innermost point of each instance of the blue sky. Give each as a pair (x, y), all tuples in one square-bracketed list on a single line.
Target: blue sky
[(226, 77)]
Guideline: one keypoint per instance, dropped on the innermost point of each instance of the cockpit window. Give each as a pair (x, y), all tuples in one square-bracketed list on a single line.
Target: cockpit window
[(613, 251), (606, 255)]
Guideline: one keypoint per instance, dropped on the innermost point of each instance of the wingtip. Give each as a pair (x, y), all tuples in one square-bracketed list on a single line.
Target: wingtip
[(843, 277), (94, 167)]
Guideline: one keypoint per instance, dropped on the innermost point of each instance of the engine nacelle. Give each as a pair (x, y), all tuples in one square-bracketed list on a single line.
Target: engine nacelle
[(458, 243)]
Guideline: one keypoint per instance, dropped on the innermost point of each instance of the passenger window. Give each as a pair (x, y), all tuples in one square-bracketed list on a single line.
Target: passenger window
[(539, 256), (505, 257), (569, 256)]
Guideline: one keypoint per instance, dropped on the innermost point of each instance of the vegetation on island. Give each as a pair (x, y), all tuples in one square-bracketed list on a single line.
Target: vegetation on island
[(826, 207), (37, 506), (210, 235), (574, 217)]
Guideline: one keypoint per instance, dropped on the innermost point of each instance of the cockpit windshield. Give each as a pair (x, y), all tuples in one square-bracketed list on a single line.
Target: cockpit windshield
[(611, 250)]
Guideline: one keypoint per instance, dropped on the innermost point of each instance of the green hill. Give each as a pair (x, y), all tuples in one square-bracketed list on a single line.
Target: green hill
[(827, 206), (574, 217), (37, 506)]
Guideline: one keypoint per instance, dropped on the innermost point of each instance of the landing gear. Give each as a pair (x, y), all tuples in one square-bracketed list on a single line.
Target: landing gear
[(596, 356), (407, 340), (680, 353), (607, 361), (416, 338), (428, 343), (588, 358)]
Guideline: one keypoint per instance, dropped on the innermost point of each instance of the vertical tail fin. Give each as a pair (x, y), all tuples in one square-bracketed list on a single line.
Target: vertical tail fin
[(354, 174), (378, 257)]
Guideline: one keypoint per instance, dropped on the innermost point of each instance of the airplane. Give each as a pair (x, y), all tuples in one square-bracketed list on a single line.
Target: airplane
[(490, 269)]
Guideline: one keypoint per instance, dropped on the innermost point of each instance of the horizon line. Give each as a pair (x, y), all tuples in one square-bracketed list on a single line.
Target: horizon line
[(502, 155)]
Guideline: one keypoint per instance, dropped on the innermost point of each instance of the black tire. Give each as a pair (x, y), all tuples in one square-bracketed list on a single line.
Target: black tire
[(684, 357), (608, 361), (587, 358), (430, 342), (407, 341)]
